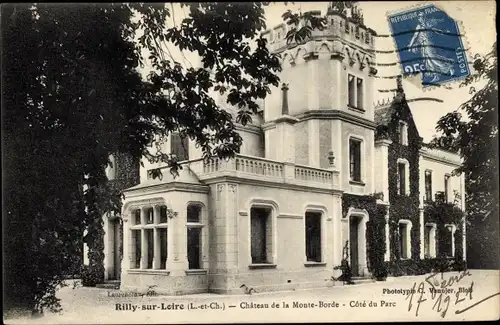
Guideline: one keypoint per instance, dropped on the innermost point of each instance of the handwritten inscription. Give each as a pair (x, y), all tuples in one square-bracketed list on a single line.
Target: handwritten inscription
[(441, 295)]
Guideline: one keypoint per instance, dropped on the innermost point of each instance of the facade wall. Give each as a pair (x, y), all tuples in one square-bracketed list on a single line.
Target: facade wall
[(226, 241), (301, 143), (367, 158), (315, 82), (232, 267), (325, 142), (252, 144), (381, 170), (173, 279), (439, 170)]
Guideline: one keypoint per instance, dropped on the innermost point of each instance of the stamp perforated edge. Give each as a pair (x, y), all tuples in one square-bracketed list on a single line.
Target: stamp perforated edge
[(416, 79)]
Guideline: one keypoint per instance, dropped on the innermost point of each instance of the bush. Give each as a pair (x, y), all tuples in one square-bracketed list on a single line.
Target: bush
[(428, 265), (90, 276), (380, 273)]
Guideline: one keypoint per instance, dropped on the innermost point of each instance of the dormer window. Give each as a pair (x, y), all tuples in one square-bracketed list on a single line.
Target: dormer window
[(403, 133)]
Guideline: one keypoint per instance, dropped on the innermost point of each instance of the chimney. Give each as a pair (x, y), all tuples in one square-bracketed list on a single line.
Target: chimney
[(399, 86), (284, 106)]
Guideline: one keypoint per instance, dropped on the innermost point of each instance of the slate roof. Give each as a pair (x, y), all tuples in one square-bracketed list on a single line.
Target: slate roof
[(383, 114)]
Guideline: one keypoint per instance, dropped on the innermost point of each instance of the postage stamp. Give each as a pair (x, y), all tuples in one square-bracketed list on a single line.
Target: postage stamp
[(429, 43)]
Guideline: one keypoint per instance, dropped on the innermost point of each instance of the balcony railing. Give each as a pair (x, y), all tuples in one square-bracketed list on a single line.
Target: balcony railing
[(310, 174), (266, 170)]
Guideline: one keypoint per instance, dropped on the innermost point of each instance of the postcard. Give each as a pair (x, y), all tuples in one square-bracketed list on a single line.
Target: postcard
[(250, 162)]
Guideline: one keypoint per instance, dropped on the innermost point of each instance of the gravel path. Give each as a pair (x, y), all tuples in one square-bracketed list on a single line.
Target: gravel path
[(348, 303)]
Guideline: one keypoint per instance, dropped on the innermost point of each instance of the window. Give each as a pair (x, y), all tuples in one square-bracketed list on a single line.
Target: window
[(430, 240), (428, 185), (403, 133), (355, 92), (401, 178), (355, 160), (179, 146), (150, 247), (352, 90), (261, 235), (446, 187), (149, 215), (137, 217), (163, 247), (149, 228), (136, 239), (194, 229), (359, 92), (313, 236), (404, 239)]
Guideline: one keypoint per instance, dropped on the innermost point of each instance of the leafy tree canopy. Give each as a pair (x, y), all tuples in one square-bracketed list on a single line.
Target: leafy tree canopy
[(472, 130), (72, 95)]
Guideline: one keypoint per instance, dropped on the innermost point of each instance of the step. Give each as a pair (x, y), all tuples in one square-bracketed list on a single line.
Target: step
[(360, 280), (110, 284)]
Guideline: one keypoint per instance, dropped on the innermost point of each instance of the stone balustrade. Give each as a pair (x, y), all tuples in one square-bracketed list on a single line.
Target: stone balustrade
[(310, 174), (257, 168)]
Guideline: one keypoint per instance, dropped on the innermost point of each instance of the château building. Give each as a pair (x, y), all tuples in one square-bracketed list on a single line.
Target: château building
[(292, 204)]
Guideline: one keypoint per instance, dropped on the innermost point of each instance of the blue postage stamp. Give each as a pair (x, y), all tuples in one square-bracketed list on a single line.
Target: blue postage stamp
[(428, 42)]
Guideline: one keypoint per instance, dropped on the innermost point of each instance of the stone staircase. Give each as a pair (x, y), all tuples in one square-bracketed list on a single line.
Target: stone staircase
[(109, 284)]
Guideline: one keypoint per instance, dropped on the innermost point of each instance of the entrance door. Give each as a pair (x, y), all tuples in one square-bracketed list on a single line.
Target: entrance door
[(353, 244)]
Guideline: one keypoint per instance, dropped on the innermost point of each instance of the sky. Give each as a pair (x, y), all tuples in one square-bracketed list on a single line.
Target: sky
[(477, 21), (477, 18)]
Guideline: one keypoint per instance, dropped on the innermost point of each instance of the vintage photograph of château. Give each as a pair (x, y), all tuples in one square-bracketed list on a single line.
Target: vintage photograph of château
[(323, 175)]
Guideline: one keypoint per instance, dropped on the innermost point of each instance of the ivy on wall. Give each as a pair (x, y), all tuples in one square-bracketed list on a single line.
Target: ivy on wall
[(403, 206), (442, 213), (127, 175), (375, 229), (408, 206)]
